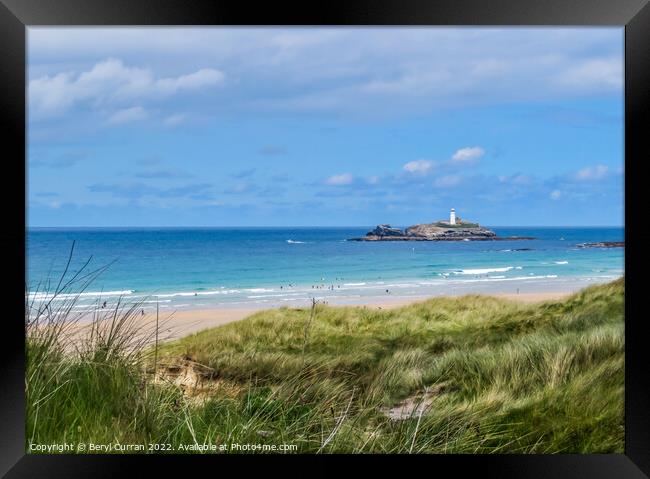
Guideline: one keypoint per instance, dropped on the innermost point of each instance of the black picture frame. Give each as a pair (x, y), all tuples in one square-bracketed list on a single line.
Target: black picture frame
[(17, 15)]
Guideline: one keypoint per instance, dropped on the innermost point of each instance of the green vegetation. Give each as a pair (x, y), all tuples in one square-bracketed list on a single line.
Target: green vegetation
[(462, 224), (473, 374)]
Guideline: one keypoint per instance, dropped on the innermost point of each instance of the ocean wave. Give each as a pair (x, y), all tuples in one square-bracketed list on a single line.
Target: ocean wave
[(515, 278), (561, 262), (86, 294), (257, 296), (354, 284), (197, 293), (484, 270), (290, 241)]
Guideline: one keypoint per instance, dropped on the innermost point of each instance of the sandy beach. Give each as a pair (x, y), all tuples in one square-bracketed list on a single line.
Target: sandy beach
[(175, 325)]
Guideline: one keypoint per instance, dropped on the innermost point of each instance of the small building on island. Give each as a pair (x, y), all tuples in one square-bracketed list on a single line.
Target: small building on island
[(454, 229)]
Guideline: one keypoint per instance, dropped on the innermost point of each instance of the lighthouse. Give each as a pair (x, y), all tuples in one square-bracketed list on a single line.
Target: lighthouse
[(452, 217)]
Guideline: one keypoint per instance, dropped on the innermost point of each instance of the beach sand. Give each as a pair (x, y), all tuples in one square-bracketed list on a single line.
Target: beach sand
[(185, 322), (180, 323)]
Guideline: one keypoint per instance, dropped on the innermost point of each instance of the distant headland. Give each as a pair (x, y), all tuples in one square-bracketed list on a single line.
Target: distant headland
[(454, 229)]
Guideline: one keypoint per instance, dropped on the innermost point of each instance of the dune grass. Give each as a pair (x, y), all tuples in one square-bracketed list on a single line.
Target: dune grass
[(482, 374)]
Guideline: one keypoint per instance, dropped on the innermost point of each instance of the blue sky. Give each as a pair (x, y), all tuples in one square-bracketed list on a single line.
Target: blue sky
[(324, 126)]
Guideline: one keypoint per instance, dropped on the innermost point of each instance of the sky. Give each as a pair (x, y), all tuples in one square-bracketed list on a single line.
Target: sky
[(324, 126)]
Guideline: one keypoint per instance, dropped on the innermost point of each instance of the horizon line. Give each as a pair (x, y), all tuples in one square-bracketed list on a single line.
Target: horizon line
[(307, 226)]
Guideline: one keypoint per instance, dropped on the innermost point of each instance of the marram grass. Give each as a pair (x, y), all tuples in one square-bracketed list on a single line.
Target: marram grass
[(481, 375)]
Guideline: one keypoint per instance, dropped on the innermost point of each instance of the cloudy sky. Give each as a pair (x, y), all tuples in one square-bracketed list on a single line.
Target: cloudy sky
[(327, 126)]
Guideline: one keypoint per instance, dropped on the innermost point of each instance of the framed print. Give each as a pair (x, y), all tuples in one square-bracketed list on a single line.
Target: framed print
[(375, 231)]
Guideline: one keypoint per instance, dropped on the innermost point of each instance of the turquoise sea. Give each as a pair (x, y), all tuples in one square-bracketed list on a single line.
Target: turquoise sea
[(184, 268)]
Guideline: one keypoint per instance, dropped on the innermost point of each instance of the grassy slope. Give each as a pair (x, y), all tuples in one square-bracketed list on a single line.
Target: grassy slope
[(503, 377)]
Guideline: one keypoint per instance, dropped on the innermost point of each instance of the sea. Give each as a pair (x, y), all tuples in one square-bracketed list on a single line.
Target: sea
[(203, 268)]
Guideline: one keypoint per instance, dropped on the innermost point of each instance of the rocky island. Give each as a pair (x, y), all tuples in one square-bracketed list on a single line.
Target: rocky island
[(453, 230)]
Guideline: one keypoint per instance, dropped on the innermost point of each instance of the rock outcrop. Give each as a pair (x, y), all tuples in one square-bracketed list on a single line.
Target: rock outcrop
[(434, 232), (385, 230)]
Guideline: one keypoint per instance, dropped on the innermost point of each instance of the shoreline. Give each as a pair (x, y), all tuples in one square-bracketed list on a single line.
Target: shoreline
[(401, 292), (176, 323), (184, 323), (180, 323)]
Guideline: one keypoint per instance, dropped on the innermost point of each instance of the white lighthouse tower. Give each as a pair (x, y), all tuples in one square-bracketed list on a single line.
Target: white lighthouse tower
[(452, 217)]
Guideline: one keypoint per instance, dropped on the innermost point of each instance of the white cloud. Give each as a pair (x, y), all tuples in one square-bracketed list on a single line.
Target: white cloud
[(592, 173), (373, 180), (419, 166), (174, 120), (594, 74), (366, 71), (447, 181), (127, 115), (468, 155), (555, 194), (108, 82), (194, 81), (339, 180)]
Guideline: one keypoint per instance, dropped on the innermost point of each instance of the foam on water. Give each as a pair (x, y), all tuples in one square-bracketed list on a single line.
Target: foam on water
[(41, 296), (484, 270)]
